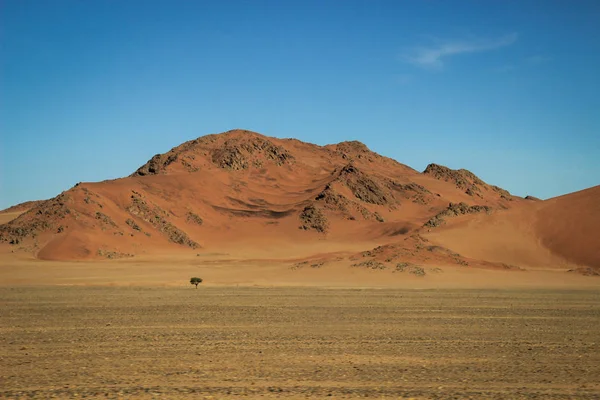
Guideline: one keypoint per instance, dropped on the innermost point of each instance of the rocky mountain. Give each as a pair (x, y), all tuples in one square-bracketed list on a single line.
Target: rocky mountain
[(243, 188)]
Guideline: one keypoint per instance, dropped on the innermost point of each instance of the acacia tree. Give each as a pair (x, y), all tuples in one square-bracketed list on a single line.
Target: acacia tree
[(196, 281)]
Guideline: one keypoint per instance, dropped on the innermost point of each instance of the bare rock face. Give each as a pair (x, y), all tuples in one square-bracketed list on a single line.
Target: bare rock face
[(462, 178), (157, 164), (418, 194), (352, 150), (370, 264), (46, 216), (363, 186), (467, 181), (230, 158), (454, 210), (105, 219), (263, 147), (238, 154), (504, 194), (195, 218), (157, 217), (348, 208), (312, 218), (234, 150), (409, 255)]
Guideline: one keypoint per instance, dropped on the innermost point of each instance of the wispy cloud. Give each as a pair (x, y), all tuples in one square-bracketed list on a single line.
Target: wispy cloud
[(432, 57)]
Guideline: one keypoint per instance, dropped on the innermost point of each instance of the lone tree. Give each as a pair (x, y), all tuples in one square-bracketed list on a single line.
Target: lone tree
[(196, 281)]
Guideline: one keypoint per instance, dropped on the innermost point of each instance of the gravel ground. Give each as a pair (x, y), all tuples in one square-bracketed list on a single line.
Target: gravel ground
[(228, 342)]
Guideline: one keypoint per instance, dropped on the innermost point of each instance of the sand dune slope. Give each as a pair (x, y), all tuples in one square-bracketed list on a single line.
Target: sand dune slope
[(562, 232), (570, 226)]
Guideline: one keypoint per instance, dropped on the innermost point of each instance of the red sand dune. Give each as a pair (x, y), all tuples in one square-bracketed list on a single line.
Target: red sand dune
[(569, 226), (243, 191), (560, 232)]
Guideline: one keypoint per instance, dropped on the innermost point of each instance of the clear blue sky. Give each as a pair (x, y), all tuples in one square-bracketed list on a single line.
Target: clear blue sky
[(89, 90)]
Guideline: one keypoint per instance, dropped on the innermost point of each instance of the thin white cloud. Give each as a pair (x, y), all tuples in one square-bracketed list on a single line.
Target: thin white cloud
[(433, 57)]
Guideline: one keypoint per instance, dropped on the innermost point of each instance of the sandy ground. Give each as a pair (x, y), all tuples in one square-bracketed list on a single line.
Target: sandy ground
[(286, 342), (231, 269)]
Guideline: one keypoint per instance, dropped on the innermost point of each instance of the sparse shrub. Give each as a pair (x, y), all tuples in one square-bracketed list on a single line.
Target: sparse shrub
[(196, 281)]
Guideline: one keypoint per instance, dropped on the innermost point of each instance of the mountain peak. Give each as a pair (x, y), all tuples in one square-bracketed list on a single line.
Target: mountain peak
[(236, 149)]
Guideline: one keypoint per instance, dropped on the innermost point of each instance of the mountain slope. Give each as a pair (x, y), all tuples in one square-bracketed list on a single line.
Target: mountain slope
[(240, 188)]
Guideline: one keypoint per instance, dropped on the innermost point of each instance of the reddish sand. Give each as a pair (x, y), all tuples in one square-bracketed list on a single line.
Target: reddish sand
[(240, 197), (562, 232)]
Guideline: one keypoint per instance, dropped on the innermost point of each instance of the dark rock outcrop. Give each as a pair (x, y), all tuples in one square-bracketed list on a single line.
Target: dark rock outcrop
[(454, 210), (312, 218)]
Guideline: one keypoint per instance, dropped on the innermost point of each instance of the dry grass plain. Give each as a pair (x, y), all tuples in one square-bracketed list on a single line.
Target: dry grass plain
[(228, 342)]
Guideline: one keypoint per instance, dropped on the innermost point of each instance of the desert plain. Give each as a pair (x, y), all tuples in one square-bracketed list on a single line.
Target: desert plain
[(279, 329), (298, 342)]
